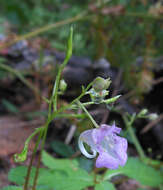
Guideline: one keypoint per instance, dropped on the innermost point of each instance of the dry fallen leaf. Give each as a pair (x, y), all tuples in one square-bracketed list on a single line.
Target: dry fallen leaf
[(13, 133)]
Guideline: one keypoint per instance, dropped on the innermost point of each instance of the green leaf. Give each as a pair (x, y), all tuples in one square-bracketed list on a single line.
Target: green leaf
[(136, 169), (17, 175), (58, 164), (69, 44), (12, 187), (86, 164), (64, 170), (62, 149), (104, 185), (9, 106), (60, 180), (143, 173)]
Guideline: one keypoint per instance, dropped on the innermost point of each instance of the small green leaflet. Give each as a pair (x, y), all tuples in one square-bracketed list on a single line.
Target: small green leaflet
[(104, 185)]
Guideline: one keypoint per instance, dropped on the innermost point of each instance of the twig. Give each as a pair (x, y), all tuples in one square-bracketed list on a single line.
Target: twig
[(151, 124), (70, 134)]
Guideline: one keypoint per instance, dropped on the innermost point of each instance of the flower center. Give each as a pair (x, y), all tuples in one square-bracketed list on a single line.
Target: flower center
[(108, 145)]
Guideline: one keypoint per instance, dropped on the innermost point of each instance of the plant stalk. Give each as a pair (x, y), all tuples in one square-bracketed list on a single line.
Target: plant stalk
[(133, 136), (31, 161), (88, 114)]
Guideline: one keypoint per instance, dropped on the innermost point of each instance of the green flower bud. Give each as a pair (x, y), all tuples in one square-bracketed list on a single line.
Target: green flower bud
[(107, 83), (143, 112), (100, 84), (23, 155), (62, 85)]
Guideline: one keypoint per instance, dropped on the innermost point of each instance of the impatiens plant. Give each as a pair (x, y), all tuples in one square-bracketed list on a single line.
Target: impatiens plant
[(67, 174)]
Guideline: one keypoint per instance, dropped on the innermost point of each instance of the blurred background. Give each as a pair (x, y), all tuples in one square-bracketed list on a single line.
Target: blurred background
[(121, 39)]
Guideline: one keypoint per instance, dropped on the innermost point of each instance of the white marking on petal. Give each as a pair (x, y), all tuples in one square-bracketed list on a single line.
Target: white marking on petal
[(83, 150)]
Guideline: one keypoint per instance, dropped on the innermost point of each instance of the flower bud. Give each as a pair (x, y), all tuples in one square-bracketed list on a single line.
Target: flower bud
[(143, 112), (62, 85), (100, 84)]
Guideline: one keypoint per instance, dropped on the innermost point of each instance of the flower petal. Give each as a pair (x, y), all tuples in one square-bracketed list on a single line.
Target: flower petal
[(115, 129), (107, 161), (99, 134), (120, 149), (86, 137)]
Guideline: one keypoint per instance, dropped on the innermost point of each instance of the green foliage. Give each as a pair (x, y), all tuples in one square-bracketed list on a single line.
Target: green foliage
[(3, 73), (59, 164), (61, 174), (11, 187), (74, 179), (121, 37), (104, 185), (86, 164), (10, 107), (62, 149), (67, 174), (139, 171), (17, 175)]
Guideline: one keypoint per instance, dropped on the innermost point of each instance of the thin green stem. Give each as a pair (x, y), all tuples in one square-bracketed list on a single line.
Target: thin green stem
[(38, 130), (37, 171), (84, 104), (68, 55), (53, 101), (42, 147), (20, 76), (133, 136), (22, 79), (143, 15), (88, 114), (108, 101), (53, 115), (56, 86), (31, 161)]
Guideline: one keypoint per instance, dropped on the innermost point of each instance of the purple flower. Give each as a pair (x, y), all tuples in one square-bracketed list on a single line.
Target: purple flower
[(111, 148)]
